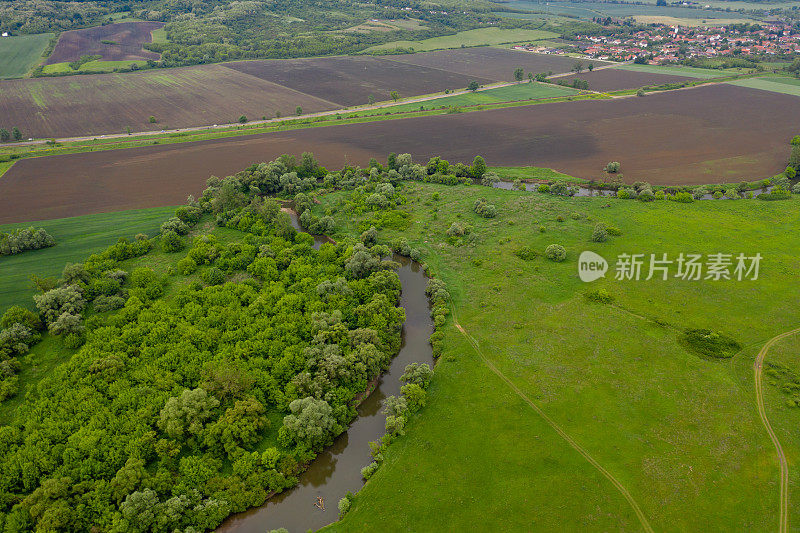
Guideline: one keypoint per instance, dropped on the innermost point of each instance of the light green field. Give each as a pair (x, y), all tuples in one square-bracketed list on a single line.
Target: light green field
[(679, 432), (76, 238), (775, 85), (19, 54), (510, 93), (692, 22), (481, 36), (159, 35), (93, 66), (692, 72)]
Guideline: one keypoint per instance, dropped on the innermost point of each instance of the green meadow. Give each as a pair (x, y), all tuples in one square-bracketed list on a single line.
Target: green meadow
[(19, 54), (692, 72), (677, 430), (76, 238), (478, 37), (775, 85)]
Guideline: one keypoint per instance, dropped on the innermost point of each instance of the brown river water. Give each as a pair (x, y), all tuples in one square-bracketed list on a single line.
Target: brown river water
[(337, 469)]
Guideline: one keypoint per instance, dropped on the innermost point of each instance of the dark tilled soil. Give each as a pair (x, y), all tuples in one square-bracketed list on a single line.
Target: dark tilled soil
[(129, 36), (679, 137), (612, 79)]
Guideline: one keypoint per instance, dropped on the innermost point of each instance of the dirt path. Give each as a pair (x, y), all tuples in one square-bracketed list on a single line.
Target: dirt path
[(783, 517), (574, 445)]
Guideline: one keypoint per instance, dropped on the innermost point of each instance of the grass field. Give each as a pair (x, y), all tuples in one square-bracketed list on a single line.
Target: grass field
[(692, 22), (20, 54), (510, 93), (678, 431), (591, 9), (691, 72), (776, 85), (481, 36), (76, 238), (96, 66)]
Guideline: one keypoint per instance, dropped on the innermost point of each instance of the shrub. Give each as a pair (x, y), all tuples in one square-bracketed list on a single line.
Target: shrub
[(19, 315), (66, 323), (415, 254), (176, 225), (74, 340), (21, 240), (624, 194), (108, 303), (560, 218), (417, 373), (344, 506), (555, 252), (777, 193), (484, 209), (599, 295), (213, 276), (699, 192), (681, 197), (171, 242), (188, 214), (659, 195), (370, 236), (186, 266), (67, 299), (369, 470), (646, 195), (717, 195), (612, 167), (796, 188), (575, 216), (562, 189), (599, 234), (544, 187), (710, 344), (614, 231), (489, 179), (526, 253)]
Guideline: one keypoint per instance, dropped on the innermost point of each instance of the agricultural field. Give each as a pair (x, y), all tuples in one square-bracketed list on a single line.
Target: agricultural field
[(189, 96), (113, 42), (676, 137), (494, 63), (776, 85), (613, 79), (690, 72), (19, 54), (478, 37), (350, 81), (588, 10), (94, 66), (509, 93), (678, 432), (76, 238)]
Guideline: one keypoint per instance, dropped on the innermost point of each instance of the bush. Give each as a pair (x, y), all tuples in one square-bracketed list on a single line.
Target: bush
[(613, 230), (171, 242), (67, 299), (775, 194), (107, 303), (484, 209), (555, 252), (659, 195), (599, 234), (681, 197), (176, 225), (599, 295), (526, 252), (186, 266), (646, 195), (67, 323), (417, 373), (544, 187), (369, 470), (213, 276), (344, 506), (19, 315), (612, 167), (709, 343), (21, 240)]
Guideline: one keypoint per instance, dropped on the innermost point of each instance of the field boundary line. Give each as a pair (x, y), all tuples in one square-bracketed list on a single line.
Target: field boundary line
[(783, 515), (563, 434)]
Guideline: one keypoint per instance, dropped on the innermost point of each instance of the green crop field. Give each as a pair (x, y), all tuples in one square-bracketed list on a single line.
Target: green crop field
[(20, 54), (510, 93), (678, 431), (96, 66), (481, 36), (76, 238), (776, 85), (700, 73)]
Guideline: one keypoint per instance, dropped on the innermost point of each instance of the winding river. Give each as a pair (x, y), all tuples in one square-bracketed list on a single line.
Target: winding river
[(337, 469)]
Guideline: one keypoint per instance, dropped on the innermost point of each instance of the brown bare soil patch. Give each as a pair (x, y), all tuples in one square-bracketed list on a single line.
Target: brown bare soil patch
[(350, 80), (128, 36), (612, 79), (678, 137), (495, 63), (108, 103)]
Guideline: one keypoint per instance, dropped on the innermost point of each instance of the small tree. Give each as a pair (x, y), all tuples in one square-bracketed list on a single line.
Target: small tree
[(473, 86), (591, 67), (518, 74), (5, 135), (152, 119), (277, 114), (578, 67), (371, 99), (530, 77), (298, 110), (478, 167), (612, 167), (243, 119), (600, 234), (555, 252), (395, 95), (16, 134)]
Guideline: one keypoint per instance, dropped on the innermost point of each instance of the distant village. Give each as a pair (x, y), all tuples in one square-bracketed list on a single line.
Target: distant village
[(665, 44)]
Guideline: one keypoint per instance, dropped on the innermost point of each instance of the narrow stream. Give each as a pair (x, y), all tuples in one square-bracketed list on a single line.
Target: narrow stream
[(337, 469)]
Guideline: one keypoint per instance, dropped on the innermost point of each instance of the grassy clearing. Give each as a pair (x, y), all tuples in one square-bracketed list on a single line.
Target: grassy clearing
[(97, 66), (532, 173), (4, 166), (692, 72), (511, 93), (479, 37), (20, 54), (679, 431), (76, 238), (692, 22), (775, 85), (159, 36)]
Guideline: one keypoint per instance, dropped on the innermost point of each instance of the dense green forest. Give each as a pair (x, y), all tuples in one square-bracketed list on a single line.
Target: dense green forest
[(209, 363), (219, 30)]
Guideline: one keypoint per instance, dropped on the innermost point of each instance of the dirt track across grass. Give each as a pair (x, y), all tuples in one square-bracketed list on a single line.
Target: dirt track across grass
[(125, 42), (676, 137)]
